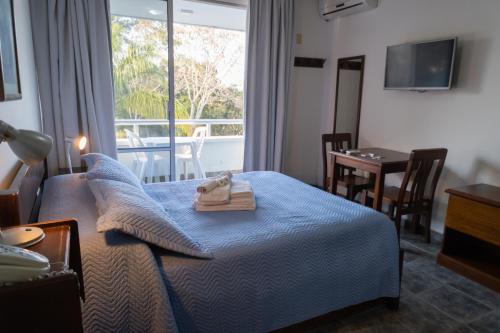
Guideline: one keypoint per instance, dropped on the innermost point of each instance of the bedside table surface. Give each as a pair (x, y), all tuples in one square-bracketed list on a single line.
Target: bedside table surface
[(484, 193), (55, 246)]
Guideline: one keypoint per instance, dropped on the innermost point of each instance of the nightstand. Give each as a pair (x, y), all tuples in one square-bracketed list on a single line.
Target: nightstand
[(51, 304)]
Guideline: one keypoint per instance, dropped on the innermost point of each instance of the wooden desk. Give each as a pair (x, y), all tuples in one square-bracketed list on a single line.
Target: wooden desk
[(391, 162), (471, 243)]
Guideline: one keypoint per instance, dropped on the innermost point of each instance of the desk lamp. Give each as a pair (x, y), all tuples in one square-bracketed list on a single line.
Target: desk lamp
[(30, 147)]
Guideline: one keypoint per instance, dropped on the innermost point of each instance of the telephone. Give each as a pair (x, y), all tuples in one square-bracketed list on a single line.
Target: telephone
[(17, 264)]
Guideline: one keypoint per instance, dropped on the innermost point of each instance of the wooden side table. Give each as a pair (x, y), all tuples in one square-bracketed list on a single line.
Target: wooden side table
[(471, 243), (51, 304)]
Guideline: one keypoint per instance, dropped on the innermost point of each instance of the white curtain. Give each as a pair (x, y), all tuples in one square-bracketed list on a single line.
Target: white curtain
[(269, 64), (72, 43)]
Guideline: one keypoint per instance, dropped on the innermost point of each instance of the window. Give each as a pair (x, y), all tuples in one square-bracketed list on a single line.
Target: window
[(205, 117)]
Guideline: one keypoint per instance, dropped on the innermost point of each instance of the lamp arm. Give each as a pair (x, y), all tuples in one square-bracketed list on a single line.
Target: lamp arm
[(68, 155)]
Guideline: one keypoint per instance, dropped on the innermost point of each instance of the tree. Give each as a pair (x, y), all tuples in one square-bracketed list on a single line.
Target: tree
[(141, 89), (203, 57)]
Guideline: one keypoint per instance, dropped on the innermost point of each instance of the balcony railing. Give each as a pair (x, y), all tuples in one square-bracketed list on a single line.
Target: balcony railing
[(219, 152), (135, 123)]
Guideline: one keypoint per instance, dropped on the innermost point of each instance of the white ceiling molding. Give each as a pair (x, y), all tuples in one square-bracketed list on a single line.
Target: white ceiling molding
[(223, 14), (230, 3)]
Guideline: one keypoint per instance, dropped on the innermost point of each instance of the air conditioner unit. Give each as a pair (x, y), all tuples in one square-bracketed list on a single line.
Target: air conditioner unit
[(330, 9)]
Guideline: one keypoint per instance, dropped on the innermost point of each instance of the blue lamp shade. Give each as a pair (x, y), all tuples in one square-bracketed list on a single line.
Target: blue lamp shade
[(29, 146)]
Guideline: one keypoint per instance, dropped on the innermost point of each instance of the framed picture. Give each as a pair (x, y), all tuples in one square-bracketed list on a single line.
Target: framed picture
[(10, 85)]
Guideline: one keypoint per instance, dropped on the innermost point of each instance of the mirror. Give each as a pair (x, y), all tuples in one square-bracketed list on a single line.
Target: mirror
[(348, 97)]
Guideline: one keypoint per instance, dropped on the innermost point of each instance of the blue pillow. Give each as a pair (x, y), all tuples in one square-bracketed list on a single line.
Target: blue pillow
[(100, 166), (130, 210)]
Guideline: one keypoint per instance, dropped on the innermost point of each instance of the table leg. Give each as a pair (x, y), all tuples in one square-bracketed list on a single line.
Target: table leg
[(335, 175), (379, 191)]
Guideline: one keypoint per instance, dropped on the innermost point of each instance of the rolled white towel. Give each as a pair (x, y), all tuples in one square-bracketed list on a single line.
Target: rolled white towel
[(218, 196), (210, 184)]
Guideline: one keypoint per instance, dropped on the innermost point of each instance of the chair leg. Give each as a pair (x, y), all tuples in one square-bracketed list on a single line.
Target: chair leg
[(416, 222), (397, 221), (350, 193), (152, 170), (200, 173), (365, 200), (392, 209), (362, 199), (142, 171), (428, 227), (185, 170)]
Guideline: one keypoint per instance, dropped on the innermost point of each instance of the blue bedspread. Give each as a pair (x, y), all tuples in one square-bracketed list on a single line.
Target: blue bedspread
[(301, 254)]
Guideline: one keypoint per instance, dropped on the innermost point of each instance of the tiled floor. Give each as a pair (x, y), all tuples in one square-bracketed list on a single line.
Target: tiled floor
[(433, 299)]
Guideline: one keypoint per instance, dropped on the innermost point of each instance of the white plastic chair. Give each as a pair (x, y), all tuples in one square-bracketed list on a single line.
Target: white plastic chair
[(194, 154), (144, 162)]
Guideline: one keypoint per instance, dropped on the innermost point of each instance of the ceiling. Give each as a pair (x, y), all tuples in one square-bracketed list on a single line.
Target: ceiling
[(225, 14)]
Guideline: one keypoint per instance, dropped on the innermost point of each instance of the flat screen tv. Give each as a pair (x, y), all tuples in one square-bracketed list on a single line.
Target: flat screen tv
[(420, 66)]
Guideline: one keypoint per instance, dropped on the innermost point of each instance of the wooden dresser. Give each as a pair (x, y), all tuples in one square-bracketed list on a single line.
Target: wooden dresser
[(471, 243)]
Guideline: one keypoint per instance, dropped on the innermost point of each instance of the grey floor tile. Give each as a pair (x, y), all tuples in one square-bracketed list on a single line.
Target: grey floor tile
[(433, 299), (487, 324), (432, 270), (478, 292), (418, 241), (406, 292), (382, 320), (455, 303), (423, 317), (419, 281), (411, 255), (464, 329)]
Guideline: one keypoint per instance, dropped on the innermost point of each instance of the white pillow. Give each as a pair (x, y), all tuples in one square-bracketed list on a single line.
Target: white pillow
[(132, 211), (103, 167)]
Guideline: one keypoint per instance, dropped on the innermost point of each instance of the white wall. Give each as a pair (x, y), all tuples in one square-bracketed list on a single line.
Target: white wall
[(465, 120), (309, 94), (24, 113)]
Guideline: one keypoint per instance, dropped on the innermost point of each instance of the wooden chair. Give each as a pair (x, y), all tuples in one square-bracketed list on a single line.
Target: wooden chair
[(416, 194), (354, 184)]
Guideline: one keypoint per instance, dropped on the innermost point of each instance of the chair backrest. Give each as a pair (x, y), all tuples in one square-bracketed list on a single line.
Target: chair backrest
[(199, 134), (135, 141), (338, 141), (422, 175)]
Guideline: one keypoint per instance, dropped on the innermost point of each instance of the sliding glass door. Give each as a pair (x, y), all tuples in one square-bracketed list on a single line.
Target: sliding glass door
[(209, 57), (143, 80), (193, 131)]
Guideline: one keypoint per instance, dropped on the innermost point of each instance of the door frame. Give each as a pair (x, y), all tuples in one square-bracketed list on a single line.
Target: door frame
[(340, 64)]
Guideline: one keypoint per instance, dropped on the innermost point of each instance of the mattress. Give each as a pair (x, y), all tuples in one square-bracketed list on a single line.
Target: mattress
[(302, 253), (124, 290)]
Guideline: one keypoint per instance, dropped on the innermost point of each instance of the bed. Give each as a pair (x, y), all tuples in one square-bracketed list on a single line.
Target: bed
[(303, 253)]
